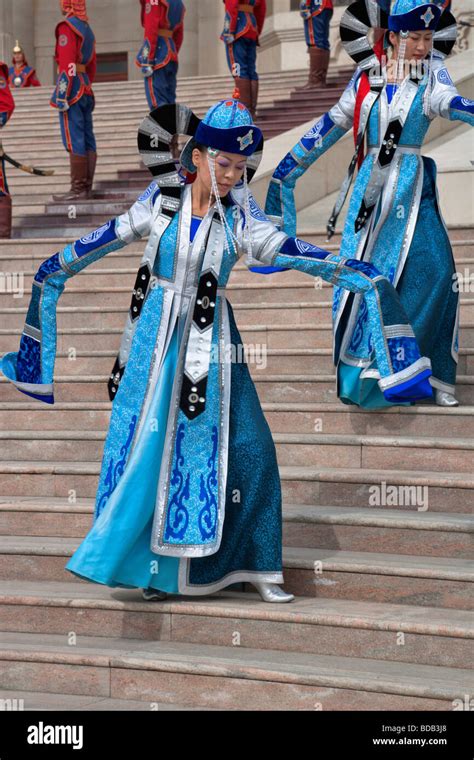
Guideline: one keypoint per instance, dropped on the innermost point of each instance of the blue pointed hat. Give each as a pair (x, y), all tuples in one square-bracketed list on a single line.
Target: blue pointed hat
[(414, 16), (228, 126)]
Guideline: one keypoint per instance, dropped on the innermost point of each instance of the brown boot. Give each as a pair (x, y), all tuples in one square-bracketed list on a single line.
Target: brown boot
[(318, 67), (5, 216), (78, 191), (245, 95), (254, 96), (91, 162)]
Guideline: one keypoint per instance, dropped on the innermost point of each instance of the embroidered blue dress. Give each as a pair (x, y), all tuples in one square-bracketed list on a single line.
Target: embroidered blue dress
[(116, 551), (404, 234)]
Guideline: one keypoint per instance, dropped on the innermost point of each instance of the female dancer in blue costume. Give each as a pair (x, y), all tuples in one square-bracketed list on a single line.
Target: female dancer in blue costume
[(188, 444), (393, 221)]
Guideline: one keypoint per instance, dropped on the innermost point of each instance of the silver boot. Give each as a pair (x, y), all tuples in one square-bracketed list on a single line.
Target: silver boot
[(271, 592), (443, 398), (153, 594)]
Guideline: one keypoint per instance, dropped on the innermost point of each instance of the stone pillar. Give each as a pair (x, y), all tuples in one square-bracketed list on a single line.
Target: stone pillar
[(189, 55), (23, 28), (6, 30), (211, 52)]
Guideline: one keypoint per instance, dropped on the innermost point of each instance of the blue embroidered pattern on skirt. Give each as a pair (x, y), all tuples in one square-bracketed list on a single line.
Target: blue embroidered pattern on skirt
[(207, 519), (115, 471), (178, 516)]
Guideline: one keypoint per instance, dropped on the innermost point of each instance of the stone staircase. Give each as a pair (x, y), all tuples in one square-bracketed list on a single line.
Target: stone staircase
[(383, 612), (377, 505), (33, 136)]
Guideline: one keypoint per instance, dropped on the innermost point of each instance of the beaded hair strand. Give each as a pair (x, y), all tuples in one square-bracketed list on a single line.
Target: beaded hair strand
[(211, 159), (211, 156)]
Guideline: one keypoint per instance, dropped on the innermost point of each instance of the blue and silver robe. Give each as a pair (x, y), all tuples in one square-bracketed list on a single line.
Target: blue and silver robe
[(189, 496), (406, 238)]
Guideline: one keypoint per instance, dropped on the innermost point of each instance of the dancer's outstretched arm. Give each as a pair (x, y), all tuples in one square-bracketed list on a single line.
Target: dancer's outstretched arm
[(31, 369), (280, 202), (446, 100), (403, 371)]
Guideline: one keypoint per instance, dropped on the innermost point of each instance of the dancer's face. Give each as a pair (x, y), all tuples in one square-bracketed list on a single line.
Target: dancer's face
[(418, 45), (230, 168)]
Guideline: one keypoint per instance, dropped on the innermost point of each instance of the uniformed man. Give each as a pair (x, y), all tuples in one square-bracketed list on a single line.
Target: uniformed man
[(7, 106), (317, 15), (20, 73), (163, 22), (243, 26), (73, 96)]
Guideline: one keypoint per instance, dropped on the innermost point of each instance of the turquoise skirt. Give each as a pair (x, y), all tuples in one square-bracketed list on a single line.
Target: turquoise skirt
[(116, 551)]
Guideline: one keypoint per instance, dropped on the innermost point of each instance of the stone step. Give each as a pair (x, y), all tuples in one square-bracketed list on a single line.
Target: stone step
[(39, 248), (440, 534), (271, 388), (338, 486), (253, 312), (304, 388), (365, 576), (107, 93), (26, 257), (109, 323), (205, 81), (57, 701), (337, 418), (308, 316), (302, 361), (293, 449), (128, 110), (416, 533), (121, 93), (42, 190), (105, 174), (334, 627), (223, 676), (348, 487), (271, 100), (40, 203), (242, 286), (191, 92)]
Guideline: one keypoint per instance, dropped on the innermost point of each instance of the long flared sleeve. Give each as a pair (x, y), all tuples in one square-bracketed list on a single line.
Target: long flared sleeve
[(404, 372), (31, 368), (280, 202), (445, 100)]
